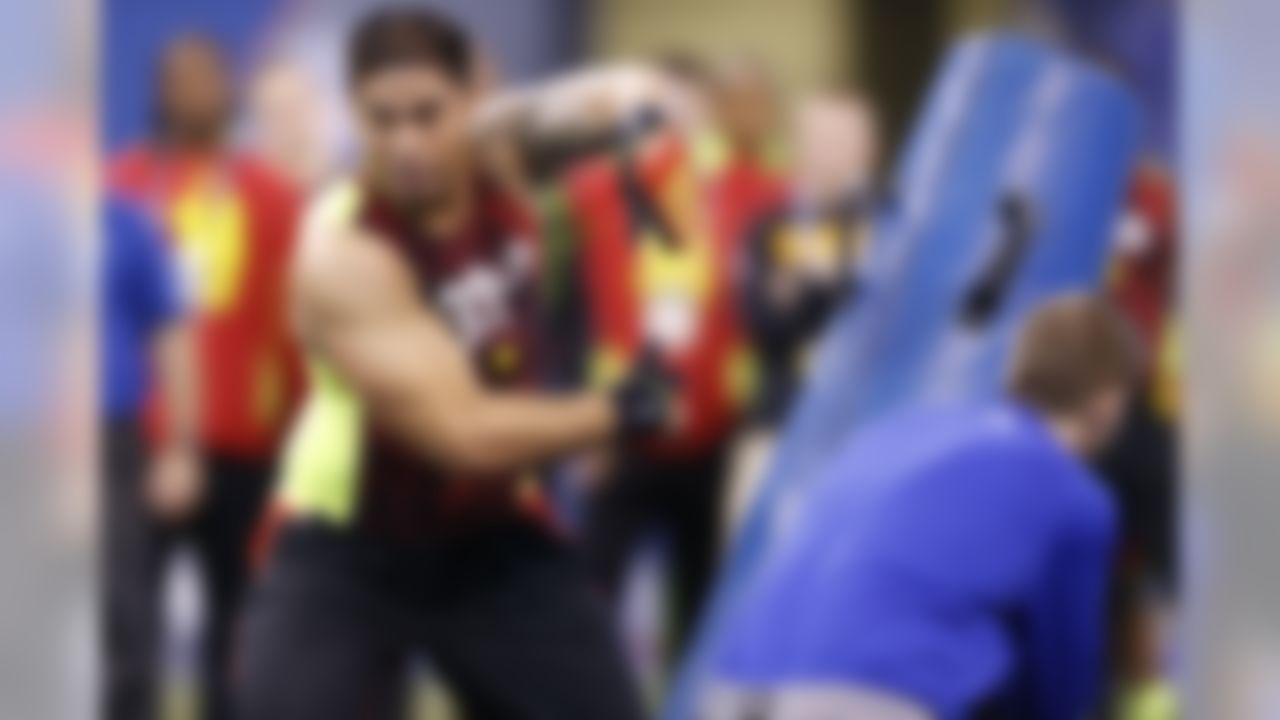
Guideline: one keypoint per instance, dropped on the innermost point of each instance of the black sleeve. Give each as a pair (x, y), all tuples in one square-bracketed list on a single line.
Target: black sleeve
[(770, 327)]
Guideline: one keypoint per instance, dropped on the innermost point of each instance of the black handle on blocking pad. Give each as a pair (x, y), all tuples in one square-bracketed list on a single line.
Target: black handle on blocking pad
[(985, 297)]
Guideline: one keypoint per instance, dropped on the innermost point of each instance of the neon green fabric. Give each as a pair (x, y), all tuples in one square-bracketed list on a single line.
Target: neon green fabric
[(322, 461), (321, 471)]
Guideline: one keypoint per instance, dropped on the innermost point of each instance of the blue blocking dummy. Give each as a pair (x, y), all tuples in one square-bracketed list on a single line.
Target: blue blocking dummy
[(1006, 195)]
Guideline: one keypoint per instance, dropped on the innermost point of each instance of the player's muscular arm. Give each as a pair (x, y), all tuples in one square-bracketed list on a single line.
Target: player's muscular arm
[(576, 102), (358, 306)]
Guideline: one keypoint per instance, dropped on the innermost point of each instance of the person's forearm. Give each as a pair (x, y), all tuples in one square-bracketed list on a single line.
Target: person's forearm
[(176, 370), (571, 102), (498, 432)]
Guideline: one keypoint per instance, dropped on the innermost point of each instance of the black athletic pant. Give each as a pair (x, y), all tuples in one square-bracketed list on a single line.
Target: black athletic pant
[(136, 549), (679, 498), (505, 616)]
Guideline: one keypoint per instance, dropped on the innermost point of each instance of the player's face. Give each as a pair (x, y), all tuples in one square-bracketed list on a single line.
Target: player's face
[(415, 124), (194, 93), (744, 107), (835, 147)]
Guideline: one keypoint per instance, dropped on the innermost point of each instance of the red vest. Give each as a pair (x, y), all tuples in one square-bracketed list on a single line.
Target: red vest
[(232, 222), (1144, 265), (674, 294), (743, 192)]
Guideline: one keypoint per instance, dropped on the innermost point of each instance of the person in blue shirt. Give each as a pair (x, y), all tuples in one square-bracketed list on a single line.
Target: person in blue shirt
[(953, 562), (153, 481)]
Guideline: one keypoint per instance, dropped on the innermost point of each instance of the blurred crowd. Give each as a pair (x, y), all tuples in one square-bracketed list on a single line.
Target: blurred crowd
[(743, 211)]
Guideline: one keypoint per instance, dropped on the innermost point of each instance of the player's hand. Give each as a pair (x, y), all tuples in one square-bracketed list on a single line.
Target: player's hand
[(645, 402), (175, 484)]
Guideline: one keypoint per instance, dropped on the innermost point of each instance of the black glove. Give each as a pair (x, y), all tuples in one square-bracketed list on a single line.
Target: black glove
[(645, 402)]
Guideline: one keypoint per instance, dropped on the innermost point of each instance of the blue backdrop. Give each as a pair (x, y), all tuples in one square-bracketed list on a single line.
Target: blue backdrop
[(529, 38)]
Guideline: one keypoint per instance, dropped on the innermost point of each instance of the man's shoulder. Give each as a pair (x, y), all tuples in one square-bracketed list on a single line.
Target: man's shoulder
[(350, 279), (131, 168), (334, 208), (338, 256), (125, 221), (1017, 435), (978, 434)]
